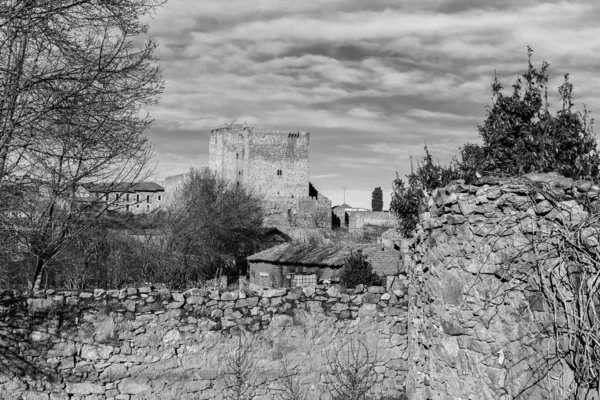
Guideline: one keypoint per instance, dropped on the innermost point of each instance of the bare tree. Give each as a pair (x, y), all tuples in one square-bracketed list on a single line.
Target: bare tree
[(72, 91), (215, 222), (239, 372), (291, 389), (351, 371)]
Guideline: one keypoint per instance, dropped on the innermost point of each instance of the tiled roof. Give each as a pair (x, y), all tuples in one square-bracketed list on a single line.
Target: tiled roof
[(310, 254), (125, 187), (344, 206)]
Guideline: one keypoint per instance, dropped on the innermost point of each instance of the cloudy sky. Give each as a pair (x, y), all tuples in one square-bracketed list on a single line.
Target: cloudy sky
[(371, 80)]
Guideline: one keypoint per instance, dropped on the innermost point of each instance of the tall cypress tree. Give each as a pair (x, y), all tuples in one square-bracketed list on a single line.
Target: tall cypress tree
[(377, 199)]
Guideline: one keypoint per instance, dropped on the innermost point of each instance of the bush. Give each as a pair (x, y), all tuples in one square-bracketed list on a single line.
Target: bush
[(520, 136), (407, 197), (358, 270)]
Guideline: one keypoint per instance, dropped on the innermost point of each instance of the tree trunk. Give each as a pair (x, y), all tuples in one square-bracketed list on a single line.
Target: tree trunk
[(39, 272)]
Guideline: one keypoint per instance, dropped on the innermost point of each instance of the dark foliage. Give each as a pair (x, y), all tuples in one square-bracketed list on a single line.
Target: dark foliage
[(217, 223), (520, 136), (358, 270), (377, 199), (407, 197)]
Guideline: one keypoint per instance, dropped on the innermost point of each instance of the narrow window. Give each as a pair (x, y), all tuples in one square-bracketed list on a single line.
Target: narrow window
[(147, 198), (137, 197), (159, 197), (127, 197), (106, 196), (148, 206), (127, 208), (237, 155), (117, 196)]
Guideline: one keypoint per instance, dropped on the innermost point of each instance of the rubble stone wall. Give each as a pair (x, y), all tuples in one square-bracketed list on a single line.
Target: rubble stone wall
[(151, 343), (475, 331)]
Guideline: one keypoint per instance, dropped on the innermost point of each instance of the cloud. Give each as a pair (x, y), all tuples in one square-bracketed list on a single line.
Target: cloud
[(372, 81)]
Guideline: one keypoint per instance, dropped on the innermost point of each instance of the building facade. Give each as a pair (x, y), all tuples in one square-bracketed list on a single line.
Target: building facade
[(293, 264), (138, 198), (274, 165)]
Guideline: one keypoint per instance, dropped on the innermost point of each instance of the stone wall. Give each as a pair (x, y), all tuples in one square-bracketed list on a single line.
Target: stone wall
[(156, 344), (357, 220), (476, 331), (253, 157)]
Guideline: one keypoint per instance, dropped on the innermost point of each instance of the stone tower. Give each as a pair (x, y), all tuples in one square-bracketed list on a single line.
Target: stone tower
[(273, 164)]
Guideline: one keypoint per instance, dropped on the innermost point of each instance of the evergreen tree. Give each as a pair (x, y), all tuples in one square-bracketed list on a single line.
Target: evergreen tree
[(358, 270), (377, 199)]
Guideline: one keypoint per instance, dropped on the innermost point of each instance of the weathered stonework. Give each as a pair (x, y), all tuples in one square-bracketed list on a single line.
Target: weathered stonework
[(474, 331), (155, 344), (271, 163), (275, 166)]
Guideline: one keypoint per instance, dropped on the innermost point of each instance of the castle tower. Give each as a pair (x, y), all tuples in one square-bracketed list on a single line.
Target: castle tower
[(273, 164)]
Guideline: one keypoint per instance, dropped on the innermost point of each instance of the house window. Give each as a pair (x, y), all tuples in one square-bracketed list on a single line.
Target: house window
[(279, 172), (137, 198), (263, 279), (127, 197), (117, 196), (147, 198), (127, 208), (237, 155), (107, 196), (148, 206), (159, 197)]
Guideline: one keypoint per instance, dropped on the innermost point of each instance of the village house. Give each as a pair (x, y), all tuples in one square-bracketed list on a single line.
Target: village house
[(137, 198), (299, 264)]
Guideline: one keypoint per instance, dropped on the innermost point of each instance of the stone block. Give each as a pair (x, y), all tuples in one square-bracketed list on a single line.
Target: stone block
[(337, 307), (114, 373), (247, 302), (175, 305), (282, 320), (229, 296), (195, 300), (38, 305), (274, 293), (367, 310), (376, 289), (172, 337), (134, 386), (177, 296), (308, 291), (85, 388), (371, 298), (334, 291), (294, 294)]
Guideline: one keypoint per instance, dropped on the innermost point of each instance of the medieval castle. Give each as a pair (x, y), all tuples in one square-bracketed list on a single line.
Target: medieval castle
[(275, 166)]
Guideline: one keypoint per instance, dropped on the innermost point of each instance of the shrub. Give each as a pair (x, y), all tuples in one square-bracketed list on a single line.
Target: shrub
[(358, 270), (407, 197), (519, 135), (352, 371)]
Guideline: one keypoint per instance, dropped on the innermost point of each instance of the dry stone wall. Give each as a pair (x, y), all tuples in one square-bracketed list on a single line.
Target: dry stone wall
[(152, 343), (476, 330)]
